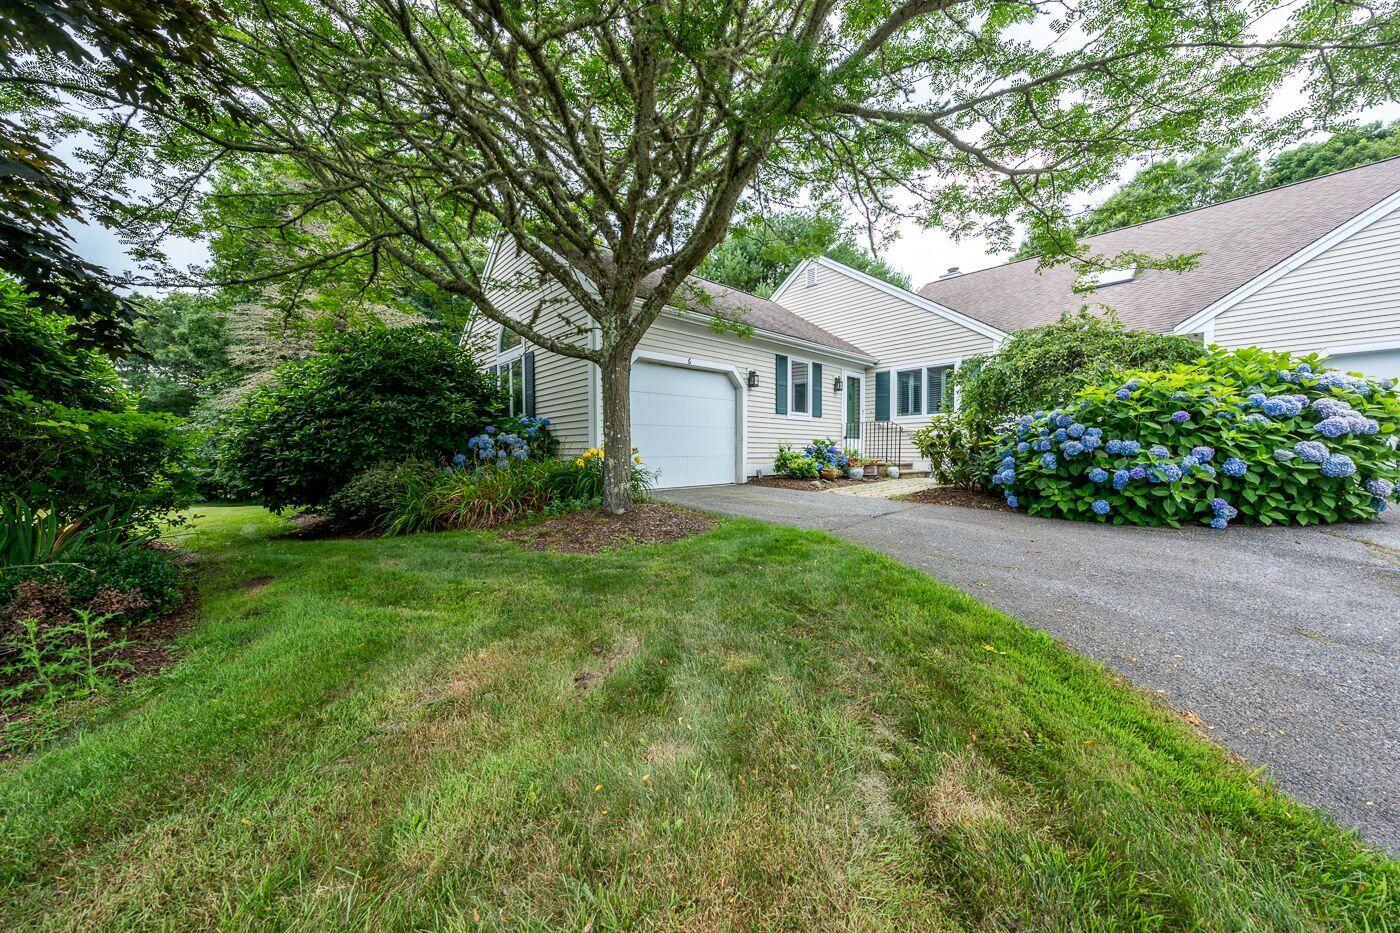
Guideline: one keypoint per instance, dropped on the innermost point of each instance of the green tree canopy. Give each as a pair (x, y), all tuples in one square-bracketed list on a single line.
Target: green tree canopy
[(757, 256), (613, 143), (182, 353)]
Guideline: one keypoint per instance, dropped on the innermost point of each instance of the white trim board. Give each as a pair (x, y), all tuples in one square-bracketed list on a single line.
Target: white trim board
[(1202, 318), (915, 299)]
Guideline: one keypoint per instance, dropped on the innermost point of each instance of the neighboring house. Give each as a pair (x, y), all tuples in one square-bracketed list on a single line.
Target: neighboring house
[(1312, 267)]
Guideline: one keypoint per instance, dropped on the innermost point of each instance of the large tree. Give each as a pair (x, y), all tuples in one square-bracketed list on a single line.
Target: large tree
[(756, 256), (614, 141)]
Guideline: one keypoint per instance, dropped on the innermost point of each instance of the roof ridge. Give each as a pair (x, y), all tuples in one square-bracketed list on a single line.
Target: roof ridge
[(1193, 210)]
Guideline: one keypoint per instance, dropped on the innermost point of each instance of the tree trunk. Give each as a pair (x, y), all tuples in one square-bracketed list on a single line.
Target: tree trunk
[(617, 433)]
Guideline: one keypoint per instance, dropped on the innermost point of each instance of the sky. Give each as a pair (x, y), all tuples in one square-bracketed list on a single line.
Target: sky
[(922, 254)]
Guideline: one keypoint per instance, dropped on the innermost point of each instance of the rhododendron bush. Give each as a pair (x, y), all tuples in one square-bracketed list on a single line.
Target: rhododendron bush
[(1244, 435)]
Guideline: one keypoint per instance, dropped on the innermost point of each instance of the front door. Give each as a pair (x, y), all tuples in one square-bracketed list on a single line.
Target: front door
[(853, 387)]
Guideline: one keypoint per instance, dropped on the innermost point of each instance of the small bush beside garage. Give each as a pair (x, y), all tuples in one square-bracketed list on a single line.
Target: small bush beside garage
[(1246, 435)]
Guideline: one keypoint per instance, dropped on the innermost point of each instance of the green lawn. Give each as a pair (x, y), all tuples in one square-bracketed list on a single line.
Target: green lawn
[(758, 726)]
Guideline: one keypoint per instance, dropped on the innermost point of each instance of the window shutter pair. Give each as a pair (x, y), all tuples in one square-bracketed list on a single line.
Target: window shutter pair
[(882, 396), (780, 384), (529, 393)]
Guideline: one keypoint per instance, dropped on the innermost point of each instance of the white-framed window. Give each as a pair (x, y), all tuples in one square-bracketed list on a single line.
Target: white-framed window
[(922, 390), (800, 388), (510, 369)]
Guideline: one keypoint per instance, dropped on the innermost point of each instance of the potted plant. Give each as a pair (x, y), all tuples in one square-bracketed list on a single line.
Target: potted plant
[(872, 469), (854, 464), (830, 473)]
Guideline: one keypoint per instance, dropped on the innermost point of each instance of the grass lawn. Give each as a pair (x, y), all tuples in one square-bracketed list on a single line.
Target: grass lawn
[(757, 726)]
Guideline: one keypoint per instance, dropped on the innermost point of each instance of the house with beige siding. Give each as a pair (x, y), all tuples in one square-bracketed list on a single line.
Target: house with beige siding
[(1312, 267), (835, 353)]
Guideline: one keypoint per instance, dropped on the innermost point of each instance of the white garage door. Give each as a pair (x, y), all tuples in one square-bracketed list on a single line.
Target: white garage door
[(1378, 364), (683, 424)]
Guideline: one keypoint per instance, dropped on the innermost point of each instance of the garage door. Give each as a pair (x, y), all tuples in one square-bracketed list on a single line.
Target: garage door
[(1378, 364), (683, 424)]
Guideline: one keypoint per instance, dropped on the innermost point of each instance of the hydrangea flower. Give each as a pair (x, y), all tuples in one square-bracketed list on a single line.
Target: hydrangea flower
[(1378, 505), (1234, 467), (1171, 471), (1042, 445), (1007, 463), (1124, 394), (1337, 466), (1387, 384), (1219, 524), (1113, 447), (1189, 463), (1311, 451), (1098, 475), (1075, 430), (1380, 487), (1203, 454), (1181, 417), (1094, 432), (1130, 448), (1303, 368), (1206, 470), (1257, 398), (460, 459), (1061, 435), (1329, 407), (1333, 427), (1072, 449), (1257, 418), (1283, 455), (1281, 406), (1158, 451), (1100, 506), (1063, 421), (1023, 447), (1137, 473), (1048, 461), (1013, 501), (1121, 478)]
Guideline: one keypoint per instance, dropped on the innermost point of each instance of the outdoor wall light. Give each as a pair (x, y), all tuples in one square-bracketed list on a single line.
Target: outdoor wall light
[(752, 379), (836, 384)]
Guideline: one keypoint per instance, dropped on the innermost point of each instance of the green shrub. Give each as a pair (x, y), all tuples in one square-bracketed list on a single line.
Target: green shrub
[(1043, 367), (789, 462), (957, 449), (129, 581), (1249, 434), (370, 497), (70, 436), (367, 396)]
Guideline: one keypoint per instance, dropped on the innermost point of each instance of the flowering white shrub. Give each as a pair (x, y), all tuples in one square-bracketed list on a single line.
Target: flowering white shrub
[(1247, 434)]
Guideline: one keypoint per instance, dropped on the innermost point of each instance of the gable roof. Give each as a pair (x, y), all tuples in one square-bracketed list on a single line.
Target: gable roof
[(702, 296), (1241, 240)]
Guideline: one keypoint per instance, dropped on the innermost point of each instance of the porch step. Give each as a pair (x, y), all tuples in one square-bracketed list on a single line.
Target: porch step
[(886, 489)]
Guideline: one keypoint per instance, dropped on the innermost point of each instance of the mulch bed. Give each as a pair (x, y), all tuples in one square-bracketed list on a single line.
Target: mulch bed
[(809, 485), (967, 498), (589, 532)]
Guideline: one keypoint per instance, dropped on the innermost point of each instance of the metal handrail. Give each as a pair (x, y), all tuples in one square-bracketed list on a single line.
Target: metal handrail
[(876, 440)]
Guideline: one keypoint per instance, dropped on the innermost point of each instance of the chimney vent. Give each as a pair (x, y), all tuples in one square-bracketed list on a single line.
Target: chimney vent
[(952, 271)]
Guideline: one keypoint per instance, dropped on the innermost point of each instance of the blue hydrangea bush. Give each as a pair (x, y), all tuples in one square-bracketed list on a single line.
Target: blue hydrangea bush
[(1244, 435)]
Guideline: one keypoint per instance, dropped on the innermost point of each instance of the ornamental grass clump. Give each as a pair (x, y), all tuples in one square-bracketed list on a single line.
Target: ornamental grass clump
[(1248, 435)]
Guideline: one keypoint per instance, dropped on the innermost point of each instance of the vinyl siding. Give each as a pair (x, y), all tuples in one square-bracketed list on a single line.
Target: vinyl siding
[(898, 333), (565, 388), (765, 428), (1346, 295), (561, 382)]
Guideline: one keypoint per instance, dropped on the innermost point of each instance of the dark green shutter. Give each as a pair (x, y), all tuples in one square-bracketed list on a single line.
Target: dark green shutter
[(780, 385), (882, 396), (816, 390), (530, 384)]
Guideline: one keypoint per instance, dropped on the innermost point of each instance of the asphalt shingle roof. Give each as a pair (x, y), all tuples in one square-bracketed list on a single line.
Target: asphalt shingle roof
[(1240, 239)]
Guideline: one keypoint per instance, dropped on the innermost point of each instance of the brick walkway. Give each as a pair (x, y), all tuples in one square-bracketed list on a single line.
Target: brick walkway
[(886, 490)]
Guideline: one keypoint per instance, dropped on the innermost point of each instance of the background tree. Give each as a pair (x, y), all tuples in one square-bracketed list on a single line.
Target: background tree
[(757, 255), (612, 142), (1217, 174), (129, 49), (182, 353)]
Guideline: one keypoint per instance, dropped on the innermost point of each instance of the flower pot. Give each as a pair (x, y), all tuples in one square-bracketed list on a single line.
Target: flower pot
[(892, 471), (830, 473), (855, 472), (872, 470)]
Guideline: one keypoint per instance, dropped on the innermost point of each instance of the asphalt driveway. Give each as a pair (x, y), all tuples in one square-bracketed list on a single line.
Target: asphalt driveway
[(1283, 641)]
